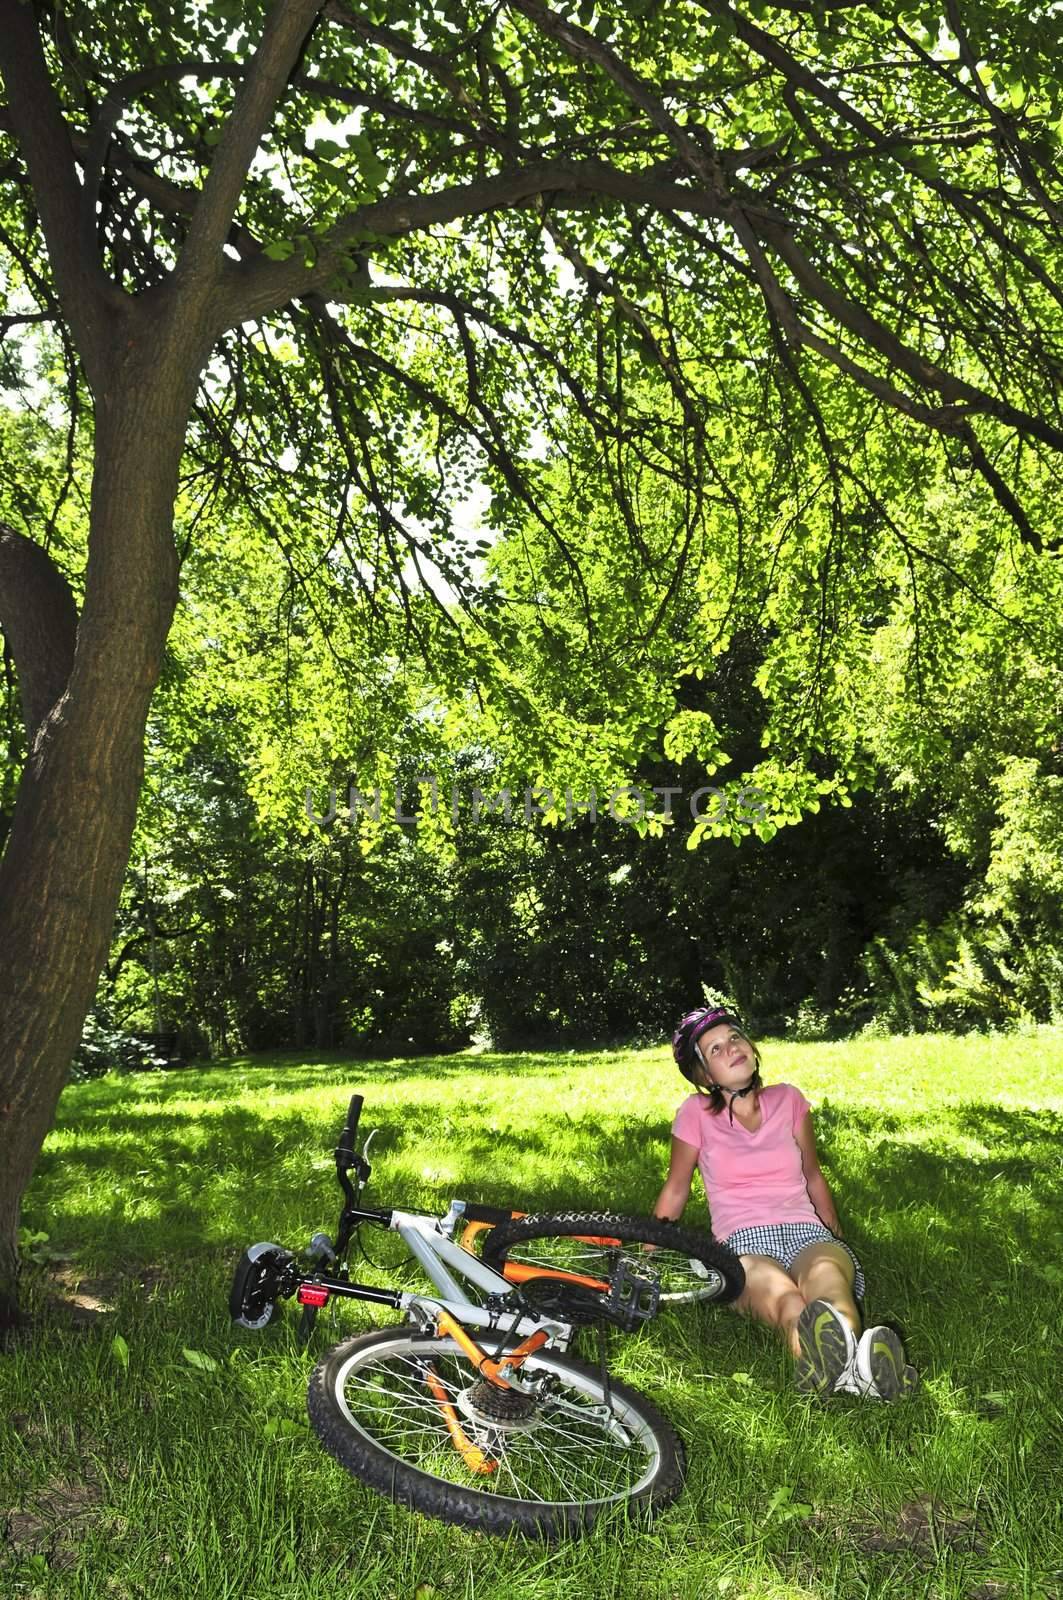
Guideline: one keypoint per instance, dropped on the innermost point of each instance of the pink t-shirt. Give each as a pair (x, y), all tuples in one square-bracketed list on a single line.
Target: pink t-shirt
[(750, 1178)]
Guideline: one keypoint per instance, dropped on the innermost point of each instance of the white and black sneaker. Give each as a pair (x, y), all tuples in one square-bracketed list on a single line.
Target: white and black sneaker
[(879, 1369), (827, 1349)]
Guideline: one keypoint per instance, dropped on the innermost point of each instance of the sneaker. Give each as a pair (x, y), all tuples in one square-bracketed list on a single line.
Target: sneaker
[(849, 1383), (828, 1349), (880, 1366)]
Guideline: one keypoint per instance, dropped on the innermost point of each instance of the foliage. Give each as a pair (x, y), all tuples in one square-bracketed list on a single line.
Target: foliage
[(715, 303), (106, 1047)]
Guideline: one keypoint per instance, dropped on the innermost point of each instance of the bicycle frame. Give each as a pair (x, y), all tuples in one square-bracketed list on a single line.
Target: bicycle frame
[(496, 1303), (431, 1243)]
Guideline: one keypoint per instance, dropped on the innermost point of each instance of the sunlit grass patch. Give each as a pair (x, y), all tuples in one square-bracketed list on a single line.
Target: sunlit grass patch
[(200, 1476)]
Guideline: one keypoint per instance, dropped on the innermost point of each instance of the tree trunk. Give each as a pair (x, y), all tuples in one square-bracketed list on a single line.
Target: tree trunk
[(62, 869)]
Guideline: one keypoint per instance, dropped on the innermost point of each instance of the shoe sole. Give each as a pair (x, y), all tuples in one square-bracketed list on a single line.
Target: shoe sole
[(824, 1349), (892, 1376)]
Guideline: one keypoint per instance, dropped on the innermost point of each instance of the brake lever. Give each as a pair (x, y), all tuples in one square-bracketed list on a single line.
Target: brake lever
[(362, 1170)]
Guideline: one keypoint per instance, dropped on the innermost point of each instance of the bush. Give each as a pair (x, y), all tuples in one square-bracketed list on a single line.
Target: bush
[(105, 1047), (810, 1023)]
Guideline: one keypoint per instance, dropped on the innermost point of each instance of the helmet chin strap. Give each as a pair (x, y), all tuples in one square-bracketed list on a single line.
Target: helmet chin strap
[(736, 1094)]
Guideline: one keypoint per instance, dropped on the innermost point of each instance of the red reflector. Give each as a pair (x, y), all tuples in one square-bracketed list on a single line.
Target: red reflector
[(312, 1294)]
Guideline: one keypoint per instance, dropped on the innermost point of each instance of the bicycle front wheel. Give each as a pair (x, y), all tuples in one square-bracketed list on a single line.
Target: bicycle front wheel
[(408, 1414), (687, 1264)]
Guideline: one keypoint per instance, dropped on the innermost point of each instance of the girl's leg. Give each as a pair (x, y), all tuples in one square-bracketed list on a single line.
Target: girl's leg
[(772, 1296), (825, 1272)]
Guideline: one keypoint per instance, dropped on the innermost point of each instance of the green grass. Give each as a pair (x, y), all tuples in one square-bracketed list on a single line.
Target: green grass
[(153, 1477)]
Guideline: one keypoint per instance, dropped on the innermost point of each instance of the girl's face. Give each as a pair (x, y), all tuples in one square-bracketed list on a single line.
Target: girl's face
[(727, 1057)]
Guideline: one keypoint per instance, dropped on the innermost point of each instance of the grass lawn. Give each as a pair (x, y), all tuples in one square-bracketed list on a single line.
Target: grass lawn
[(148, 1451)]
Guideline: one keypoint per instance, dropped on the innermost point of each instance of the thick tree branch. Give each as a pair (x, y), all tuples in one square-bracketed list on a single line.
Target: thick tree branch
[(92, 150), (283, 38), (37, 122), (39, 620), (925, 374), (258, 287), (698, 153)]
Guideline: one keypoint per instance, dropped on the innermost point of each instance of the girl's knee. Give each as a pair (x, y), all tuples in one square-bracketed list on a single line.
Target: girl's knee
[(789, 1307), (779, 1307)]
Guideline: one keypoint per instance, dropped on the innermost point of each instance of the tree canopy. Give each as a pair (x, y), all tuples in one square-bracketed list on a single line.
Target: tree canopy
[(740, 321)]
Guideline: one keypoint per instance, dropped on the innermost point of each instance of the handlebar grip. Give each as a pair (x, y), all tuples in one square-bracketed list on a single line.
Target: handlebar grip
[(345, 1148)]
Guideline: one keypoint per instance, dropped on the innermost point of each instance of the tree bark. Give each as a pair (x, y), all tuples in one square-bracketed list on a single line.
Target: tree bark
[(39, 620), (62, 870), (62, 867)]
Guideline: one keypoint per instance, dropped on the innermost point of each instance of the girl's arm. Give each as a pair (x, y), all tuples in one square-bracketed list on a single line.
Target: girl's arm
[(676, 1192), (817, 1185)]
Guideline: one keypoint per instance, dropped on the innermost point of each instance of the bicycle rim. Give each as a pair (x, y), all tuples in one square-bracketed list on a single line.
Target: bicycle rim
[(562, 1452), (683, 1278)]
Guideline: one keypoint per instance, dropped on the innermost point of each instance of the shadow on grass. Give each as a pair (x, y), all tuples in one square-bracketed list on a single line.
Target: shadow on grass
[(948, 1209), (960, 1191)]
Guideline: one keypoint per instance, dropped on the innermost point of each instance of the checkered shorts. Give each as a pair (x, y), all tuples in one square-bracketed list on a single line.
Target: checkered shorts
[(784, 1241)]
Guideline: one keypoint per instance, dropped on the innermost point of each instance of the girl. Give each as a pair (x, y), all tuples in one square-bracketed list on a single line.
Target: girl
[(772, 1206)]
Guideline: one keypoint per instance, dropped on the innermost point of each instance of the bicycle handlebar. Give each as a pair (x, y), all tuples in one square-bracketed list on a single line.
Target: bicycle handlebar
[(345, 1152)]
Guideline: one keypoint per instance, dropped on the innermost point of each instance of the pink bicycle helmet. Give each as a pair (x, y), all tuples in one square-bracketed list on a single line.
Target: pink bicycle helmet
[(690, 1029)]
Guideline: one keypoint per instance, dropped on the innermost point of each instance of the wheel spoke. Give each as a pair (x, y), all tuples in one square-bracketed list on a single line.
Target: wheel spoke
[(562, 1450), (672, 1270), (686, 1265)]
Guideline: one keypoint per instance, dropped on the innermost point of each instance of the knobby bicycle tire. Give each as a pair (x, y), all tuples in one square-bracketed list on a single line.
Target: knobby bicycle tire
[(547, 1467), (690, 1265)]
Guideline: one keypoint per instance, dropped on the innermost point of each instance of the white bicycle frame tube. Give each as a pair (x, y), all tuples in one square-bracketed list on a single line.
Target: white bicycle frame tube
[(436, 1253)]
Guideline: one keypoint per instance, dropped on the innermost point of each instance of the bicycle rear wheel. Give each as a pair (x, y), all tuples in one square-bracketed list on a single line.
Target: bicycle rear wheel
[(689, 1266), (407, 1413)]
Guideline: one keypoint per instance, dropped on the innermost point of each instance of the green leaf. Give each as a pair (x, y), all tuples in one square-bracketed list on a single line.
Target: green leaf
[(283, 1428), (923, 162), (120, 1351), (279, 249), (200, 1360)]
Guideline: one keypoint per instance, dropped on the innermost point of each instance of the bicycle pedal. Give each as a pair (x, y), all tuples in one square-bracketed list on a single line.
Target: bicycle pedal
[(632, 1299)]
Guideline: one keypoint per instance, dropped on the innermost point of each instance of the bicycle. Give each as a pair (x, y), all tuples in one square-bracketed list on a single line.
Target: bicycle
[(473, 1410)]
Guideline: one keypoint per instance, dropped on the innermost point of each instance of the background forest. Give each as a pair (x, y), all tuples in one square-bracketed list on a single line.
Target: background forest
[(923, 892)]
